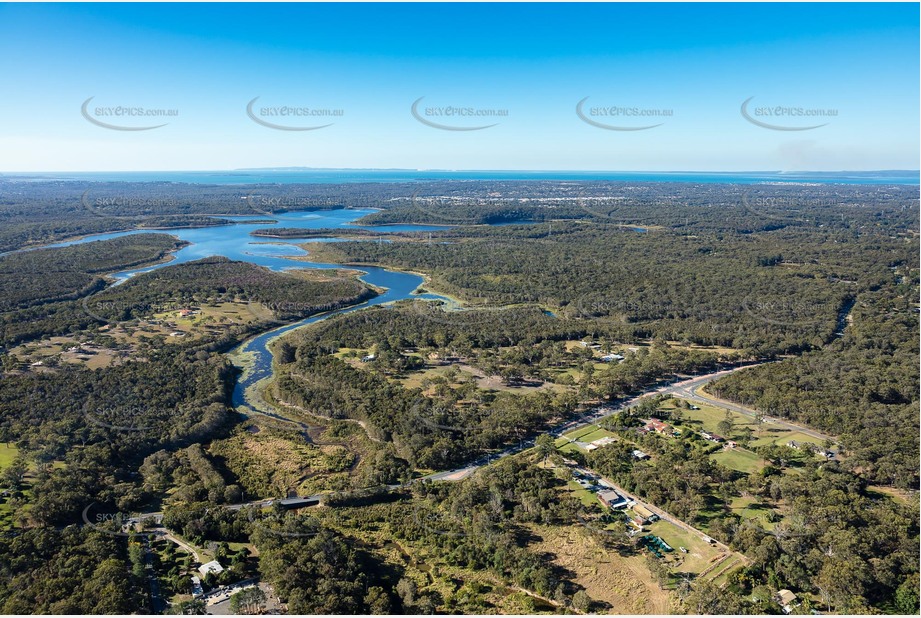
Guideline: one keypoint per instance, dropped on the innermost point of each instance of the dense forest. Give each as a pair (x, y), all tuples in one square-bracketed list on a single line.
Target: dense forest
[(270, 297), (772, 293), (41, 276), (863, 387)]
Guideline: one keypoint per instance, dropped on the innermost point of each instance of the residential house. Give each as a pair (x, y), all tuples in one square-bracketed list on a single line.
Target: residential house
[(211, 567), (658, 426), (612, 499), (787, 600)]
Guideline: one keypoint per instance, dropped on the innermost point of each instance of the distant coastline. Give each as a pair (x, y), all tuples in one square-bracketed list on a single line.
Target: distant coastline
[(337, 176)]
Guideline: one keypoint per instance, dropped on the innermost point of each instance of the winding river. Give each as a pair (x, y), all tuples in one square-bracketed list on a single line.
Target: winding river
[(236, 242)]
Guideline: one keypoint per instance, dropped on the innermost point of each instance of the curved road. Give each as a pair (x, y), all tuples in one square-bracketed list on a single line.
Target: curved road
[(690, 390)]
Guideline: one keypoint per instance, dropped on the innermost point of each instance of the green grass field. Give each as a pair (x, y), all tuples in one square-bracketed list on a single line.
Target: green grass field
[(8, 453), (750, 508), (585, 496), (775, 435), (597, 434), (708, 417), (738, 459), (699, 552), (588, 434)]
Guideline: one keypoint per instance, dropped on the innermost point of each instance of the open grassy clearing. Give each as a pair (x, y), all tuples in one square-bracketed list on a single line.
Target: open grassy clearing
[(577, 434), (8, 453), (113, 343), (597, 434), (751, 508), (738, 459), (700, 554), (899, 495), (708, 417), (569, 448), (775, 435), (415, 379), (586, 497), (456, 372)]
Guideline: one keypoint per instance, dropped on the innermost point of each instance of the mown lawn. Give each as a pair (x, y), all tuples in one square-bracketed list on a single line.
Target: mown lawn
[(586, 497), (597, 434), (738, 459), (775, 435), (7, 455), (699, 553), (581, 432), (751, 508), (708, 417)]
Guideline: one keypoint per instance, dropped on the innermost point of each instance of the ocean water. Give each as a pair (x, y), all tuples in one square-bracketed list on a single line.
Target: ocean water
[(332, 176)]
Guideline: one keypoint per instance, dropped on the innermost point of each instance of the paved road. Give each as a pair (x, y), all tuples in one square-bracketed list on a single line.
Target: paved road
[(690, 390), (157, 602)]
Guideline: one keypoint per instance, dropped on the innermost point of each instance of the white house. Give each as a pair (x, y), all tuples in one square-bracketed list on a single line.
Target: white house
[(210, 567)]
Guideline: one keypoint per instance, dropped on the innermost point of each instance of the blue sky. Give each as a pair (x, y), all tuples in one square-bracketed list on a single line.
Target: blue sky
[(694, 63)]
